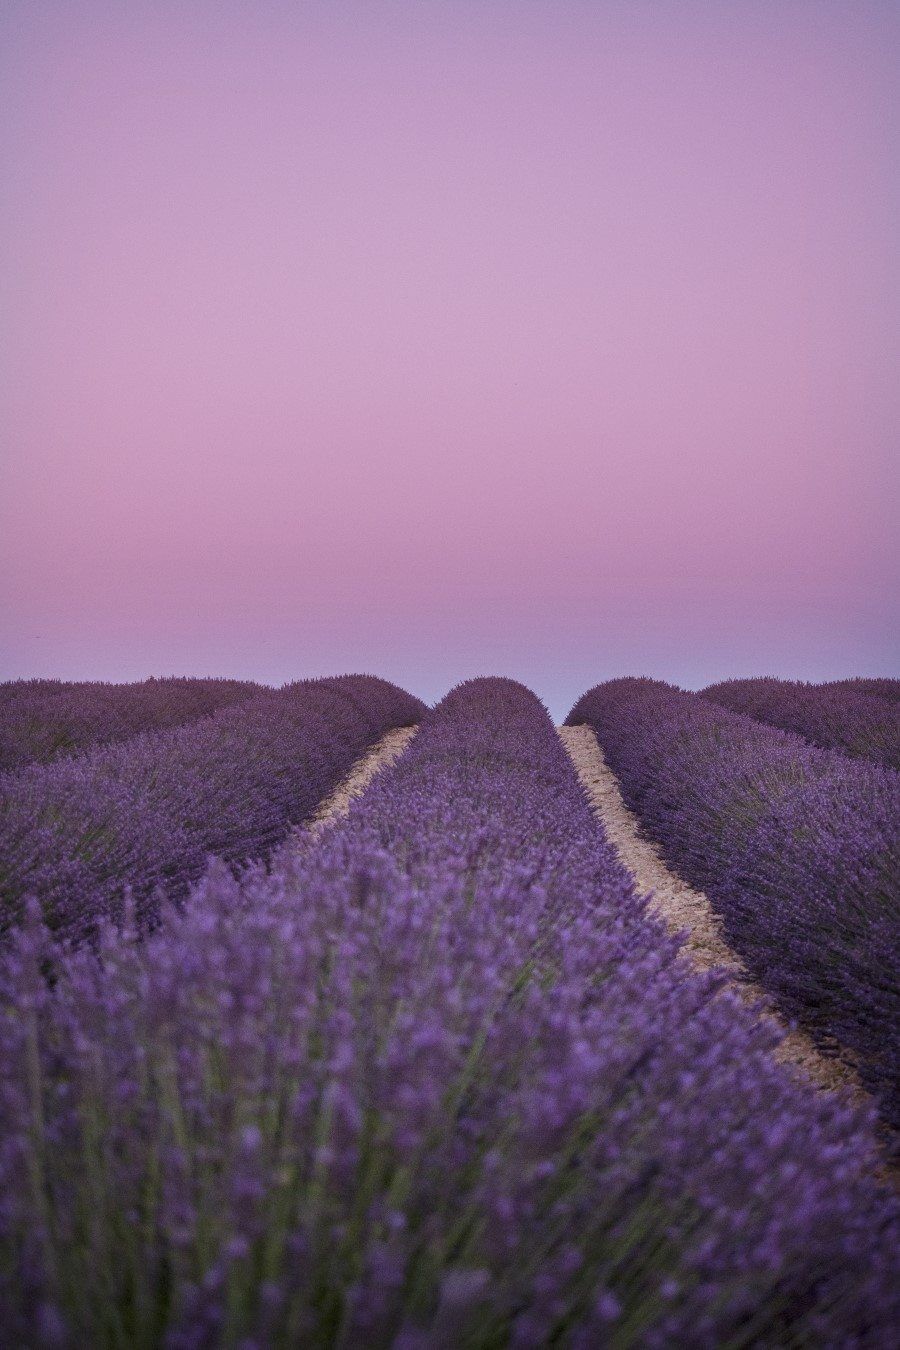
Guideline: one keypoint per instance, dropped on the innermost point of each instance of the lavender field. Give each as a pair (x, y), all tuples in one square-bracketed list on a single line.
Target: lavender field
[(436, 1073), (540, 986)]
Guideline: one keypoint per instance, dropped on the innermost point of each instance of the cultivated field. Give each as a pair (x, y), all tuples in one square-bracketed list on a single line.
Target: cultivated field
[(328, 1019)]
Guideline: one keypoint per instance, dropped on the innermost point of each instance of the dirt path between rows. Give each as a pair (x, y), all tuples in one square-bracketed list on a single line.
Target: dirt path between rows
[(378, 756), (681, 907)]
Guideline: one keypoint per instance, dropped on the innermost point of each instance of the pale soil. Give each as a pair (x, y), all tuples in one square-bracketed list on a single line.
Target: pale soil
[(378, 756), (684, 909)]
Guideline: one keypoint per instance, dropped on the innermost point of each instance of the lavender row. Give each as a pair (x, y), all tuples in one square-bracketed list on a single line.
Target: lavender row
[(437, 1079), (797, 848), (13, 689), (149, 812), (881, 687), (42, 719), (831, 716)]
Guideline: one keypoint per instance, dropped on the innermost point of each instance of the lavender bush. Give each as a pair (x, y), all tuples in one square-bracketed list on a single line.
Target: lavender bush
[(41, 719), (797, 848), (437, 1079), (151, 810), (833, 717), (881, 687), (12, 689)]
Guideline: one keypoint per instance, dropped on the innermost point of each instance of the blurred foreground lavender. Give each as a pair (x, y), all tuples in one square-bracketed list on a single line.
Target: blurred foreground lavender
[(797, 848), (437, 1080)]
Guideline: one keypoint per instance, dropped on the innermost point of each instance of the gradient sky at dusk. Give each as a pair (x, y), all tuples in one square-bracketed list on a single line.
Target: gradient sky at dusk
[(435, 339)]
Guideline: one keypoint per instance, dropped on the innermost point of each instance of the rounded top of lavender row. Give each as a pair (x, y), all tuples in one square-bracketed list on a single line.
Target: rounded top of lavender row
[(44, 720), (148, 811), (658, 698), (839, 717)]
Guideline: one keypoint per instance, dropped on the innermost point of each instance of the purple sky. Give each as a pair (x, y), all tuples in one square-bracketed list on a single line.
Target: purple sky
[(552, 339)]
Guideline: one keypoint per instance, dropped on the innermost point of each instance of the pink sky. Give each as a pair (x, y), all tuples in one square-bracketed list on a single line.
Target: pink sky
[(551, 339)]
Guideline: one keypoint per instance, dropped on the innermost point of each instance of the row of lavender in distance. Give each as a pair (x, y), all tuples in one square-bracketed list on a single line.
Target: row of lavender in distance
[(831, 716), (149, 811), (11, 689), (797, 848), (42, 719), (880, 686), (435, 1079)]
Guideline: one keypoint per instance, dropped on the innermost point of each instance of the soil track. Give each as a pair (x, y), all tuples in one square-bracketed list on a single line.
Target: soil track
[(684, 909), (378, 756)]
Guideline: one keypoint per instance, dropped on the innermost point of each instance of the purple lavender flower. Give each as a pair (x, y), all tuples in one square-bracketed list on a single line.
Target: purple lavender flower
[(881, 687), (834, 717), (436, 1077), (43, 719), (83, 831)]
